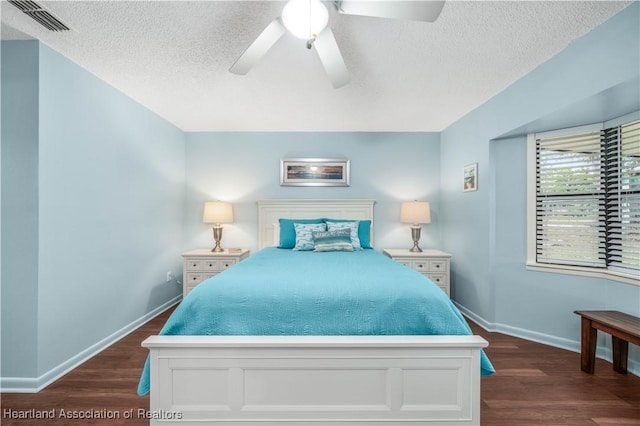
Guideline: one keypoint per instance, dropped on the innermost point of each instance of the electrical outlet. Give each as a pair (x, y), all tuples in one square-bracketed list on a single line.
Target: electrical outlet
[(169, 276)]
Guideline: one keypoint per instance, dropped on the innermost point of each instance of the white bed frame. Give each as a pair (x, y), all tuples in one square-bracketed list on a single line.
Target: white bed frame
[(314, 380)]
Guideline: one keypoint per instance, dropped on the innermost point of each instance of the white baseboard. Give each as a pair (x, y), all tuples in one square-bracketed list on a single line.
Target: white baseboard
[(34, 385), (546, 339)]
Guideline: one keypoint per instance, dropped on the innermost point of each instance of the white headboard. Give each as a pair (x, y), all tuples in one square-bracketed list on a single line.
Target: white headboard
[(269, 211)]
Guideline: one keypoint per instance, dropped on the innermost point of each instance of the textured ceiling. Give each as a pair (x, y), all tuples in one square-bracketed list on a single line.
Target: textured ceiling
[(173, 57)]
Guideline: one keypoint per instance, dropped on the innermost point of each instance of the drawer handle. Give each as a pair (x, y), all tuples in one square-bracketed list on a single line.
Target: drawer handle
[(210, 265), (194, 279), (438, 265), (226, 265), (420, 265), (194, 265)]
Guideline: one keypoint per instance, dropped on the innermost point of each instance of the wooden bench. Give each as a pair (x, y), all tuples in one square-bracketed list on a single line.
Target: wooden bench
[(623, 328)]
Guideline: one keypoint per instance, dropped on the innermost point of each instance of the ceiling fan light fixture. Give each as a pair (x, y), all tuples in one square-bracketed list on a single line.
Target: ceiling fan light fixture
[(305, 18)]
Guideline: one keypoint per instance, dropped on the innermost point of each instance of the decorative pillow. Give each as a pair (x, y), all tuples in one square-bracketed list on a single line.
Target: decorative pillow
[(352, 227), (364, 230), (288, 232), (339, 240), (304, 234)]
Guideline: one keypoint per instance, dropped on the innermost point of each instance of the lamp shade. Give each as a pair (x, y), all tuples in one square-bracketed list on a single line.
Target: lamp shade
[(415, 212), (217, 212)]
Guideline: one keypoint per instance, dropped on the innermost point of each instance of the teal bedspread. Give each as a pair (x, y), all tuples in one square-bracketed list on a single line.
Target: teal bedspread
[(285, 292)]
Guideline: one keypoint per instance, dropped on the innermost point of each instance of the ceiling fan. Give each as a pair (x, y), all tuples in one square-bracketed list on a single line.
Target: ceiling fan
[(308, 19)]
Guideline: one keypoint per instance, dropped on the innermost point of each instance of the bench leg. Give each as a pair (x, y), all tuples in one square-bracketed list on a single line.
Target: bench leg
[(588, 346), (620, 353)]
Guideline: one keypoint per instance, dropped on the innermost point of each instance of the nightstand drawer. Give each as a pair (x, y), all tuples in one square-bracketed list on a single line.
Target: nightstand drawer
[(193, 278), (438, 265), (405, 262), (439, 279), (420, 265), (211, 265), (195, 264), (224, 264)]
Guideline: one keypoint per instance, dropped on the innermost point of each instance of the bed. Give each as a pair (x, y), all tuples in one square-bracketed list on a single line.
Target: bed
[(305, 338)]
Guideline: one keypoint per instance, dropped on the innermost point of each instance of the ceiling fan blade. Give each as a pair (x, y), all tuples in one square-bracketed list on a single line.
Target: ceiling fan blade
[(331, 58), (256, 50), (426, 11)]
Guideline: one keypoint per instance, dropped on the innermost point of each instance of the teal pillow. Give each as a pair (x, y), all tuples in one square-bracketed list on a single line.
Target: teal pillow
[(339, 240), (364, 230), (288, 232), (304, 234)]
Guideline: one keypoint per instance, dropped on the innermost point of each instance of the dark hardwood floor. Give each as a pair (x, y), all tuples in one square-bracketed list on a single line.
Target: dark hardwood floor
[(534, 385), (537, 384)]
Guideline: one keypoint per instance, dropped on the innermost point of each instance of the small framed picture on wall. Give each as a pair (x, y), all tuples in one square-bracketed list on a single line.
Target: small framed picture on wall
[(470, 177)]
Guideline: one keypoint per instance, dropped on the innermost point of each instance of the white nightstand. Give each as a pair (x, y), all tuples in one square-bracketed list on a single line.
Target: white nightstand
[(434, 264), (200, 264)]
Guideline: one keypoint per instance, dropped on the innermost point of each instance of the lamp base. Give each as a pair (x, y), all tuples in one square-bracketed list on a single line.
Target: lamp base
[(415, 235), (217, 236)]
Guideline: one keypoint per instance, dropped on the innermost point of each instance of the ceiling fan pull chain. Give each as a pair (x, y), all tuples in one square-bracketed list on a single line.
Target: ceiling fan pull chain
[(311, 41)]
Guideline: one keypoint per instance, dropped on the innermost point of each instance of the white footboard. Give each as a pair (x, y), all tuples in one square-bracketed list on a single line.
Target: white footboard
[(315, 380)]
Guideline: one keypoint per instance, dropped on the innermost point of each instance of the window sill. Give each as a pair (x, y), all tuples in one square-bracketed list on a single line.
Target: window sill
[(575, 270)]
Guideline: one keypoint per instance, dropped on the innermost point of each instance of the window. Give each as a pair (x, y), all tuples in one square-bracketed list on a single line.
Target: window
[(585, 187)]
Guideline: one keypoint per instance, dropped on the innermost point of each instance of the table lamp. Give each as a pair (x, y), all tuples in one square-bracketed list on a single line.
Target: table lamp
[(415, 213), (217, 212)]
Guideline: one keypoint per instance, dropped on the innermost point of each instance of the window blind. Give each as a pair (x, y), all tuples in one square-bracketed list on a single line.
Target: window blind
[(622, 153), (570, 208), (588, 199)]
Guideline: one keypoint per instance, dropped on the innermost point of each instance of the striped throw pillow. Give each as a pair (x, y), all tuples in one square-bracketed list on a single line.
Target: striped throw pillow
[(338, 240)]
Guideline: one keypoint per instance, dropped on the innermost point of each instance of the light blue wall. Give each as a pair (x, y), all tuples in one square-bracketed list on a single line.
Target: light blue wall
[(486, 230), (244, 167), (110, 197), (19, 291)]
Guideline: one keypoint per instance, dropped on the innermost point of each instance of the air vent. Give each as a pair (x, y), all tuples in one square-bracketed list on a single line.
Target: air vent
[(40, 15)]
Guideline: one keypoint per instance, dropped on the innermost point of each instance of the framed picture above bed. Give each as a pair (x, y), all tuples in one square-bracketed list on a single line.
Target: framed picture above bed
[(314, 172)]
